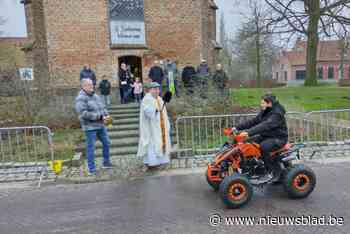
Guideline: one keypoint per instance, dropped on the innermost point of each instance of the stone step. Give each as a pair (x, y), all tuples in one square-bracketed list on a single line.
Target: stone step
[(123, 134), (126, 121), (119, 151), (124, 107), (127, 111), (126, 142), (124, 116), (121, 142), (123, 127)]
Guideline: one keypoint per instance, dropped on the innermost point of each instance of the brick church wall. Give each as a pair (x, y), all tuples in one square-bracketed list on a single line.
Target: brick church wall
[(69, 34)]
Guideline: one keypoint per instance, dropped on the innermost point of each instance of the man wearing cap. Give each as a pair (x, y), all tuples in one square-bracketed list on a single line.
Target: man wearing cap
[(154, 142)]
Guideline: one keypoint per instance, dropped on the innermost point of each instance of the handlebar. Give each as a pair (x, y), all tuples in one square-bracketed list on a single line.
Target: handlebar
[(235, 135)]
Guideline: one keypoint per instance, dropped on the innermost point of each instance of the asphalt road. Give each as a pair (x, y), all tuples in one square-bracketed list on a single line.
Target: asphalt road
[(169, 204)]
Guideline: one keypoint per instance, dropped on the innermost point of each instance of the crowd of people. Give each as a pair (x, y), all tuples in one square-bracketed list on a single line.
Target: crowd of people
[(155, 140), (163, 72)]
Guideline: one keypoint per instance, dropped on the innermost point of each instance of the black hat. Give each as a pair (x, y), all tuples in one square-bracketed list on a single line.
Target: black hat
[(269, 97)]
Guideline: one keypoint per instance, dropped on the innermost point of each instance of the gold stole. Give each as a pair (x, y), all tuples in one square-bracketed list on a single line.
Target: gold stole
[(162, 125)]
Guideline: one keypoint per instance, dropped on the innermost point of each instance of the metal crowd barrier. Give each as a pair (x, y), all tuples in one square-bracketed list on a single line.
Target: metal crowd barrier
[(25, 153), (202, 135)]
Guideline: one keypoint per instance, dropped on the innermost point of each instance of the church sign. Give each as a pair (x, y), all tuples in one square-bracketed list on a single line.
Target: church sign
[(127, 22)]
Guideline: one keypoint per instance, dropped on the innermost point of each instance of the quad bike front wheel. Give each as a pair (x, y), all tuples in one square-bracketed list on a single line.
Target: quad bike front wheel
[(235, 191), (299, 181), (214, 184)]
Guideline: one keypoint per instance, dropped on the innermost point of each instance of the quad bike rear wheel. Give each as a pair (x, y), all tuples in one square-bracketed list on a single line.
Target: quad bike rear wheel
[(299, 181), (214, 184), (235, 191)]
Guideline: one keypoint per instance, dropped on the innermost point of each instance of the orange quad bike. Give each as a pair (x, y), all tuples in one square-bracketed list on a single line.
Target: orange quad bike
[(238, 166)]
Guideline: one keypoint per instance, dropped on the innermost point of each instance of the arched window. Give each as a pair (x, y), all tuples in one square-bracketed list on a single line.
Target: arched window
[(127, 22)]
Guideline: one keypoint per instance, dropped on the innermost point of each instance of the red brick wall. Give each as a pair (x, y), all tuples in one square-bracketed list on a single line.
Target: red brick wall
[(77, 32)]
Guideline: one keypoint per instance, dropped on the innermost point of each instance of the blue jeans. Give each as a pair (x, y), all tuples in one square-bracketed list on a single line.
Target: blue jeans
[(91, 137)]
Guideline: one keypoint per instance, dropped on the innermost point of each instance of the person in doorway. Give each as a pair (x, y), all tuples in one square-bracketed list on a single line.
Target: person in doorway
[(269, 129), (92, 115), (124, 83), (154, 143), (156, 74), (138, 89), (88, 73), (105, 90)]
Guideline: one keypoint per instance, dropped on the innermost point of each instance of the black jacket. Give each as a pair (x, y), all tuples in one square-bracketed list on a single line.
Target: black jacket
[(105, 87), (124, 75), (156, 74), (270, 123), (187, 75), (88, 74)]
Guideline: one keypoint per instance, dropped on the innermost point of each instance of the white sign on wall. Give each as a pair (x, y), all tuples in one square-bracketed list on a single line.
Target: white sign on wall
[(26, 73), (127, 22), (128, 33)]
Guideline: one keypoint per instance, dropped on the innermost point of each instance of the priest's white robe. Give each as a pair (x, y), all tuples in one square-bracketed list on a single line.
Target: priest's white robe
[(153, 148)]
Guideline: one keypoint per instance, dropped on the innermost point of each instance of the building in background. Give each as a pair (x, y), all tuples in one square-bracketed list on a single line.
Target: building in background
[(64, 35), (290, 66)]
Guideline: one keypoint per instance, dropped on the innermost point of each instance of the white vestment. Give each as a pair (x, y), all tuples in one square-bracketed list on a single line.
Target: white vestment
[(153, 147)]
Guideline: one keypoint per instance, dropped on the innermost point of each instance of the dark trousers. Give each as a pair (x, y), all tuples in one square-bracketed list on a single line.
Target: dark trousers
[(125, 93), (138, 97), (267, 146)]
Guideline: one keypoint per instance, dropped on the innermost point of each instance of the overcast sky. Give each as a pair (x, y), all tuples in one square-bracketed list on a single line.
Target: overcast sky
[(15, 26)]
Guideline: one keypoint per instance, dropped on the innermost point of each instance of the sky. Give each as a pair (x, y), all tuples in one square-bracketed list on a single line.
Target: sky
[(232, 11), (15, 26)]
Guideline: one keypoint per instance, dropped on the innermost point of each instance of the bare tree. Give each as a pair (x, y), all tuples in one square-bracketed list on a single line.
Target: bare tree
[(254, 40), (311, 18)]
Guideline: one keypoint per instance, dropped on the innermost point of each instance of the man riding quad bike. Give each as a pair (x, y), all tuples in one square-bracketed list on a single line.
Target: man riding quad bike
[(259, 155)]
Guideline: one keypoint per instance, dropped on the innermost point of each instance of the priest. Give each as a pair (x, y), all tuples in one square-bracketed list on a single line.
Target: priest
[(154, 142)]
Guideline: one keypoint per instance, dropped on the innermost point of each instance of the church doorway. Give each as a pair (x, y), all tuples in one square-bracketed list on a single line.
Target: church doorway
[(135, 64)]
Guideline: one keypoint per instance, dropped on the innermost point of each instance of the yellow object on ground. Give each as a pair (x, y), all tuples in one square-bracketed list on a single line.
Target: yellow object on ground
[(56, 166)]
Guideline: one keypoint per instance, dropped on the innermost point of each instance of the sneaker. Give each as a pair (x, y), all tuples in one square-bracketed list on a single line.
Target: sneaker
[(107, 165)]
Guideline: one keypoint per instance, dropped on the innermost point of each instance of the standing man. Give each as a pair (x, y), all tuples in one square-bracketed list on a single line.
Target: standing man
[(87, 73), (154, 142), (188, 75), (124, 83), (105, 90), (156, 74), (219, 80), (203, 73), (92, 116)]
